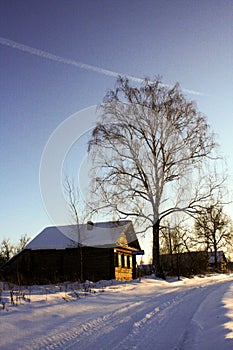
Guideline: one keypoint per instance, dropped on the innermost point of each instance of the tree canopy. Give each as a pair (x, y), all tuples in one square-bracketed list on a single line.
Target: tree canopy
[(145, 147), (213, 228)]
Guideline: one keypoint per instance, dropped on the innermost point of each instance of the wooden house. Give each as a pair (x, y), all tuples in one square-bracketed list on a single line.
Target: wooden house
[(185, 264), (221, 261), (192, 263), (92, 251)]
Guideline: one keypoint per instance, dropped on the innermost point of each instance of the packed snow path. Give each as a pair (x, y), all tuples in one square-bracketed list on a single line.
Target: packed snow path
[(190, 314)]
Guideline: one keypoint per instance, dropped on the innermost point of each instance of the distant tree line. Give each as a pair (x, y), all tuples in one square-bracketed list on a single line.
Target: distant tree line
[(183, 247), (212, 232), (8, 249)]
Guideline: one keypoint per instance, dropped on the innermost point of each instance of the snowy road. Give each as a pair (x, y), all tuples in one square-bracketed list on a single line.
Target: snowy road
[(173, 321), (191, 314)]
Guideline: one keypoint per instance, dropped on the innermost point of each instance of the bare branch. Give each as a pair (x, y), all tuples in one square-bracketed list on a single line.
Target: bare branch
[(145, 148)]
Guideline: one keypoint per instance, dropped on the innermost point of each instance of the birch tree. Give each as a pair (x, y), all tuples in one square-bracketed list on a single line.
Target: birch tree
[(144, 148)]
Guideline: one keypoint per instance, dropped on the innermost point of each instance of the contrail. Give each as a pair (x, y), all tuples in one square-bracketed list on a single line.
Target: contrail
[(52, 57)]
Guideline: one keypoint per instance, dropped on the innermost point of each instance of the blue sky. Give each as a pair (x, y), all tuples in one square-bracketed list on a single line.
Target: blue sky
[(185, 41)]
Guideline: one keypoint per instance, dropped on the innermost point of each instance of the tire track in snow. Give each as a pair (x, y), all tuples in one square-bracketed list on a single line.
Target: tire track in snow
[(133, 321), (131, 326), (64, 340), (152, 322), (174, 326), (86, 334)]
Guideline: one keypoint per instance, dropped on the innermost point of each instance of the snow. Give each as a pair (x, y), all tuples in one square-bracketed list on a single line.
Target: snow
[(99, 234), (153, 314)]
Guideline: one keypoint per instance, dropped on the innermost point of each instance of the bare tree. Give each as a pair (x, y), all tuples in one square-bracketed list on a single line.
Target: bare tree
[(73, 199), (145, 147), (177, 237), (24, 239), (213, 229), (7, 249)]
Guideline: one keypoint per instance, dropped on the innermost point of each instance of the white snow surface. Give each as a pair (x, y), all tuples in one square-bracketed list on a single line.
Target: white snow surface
[(100, 234), (148, 314)]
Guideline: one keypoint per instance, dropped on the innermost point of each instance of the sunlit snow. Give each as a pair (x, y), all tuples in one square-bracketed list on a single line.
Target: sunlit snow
[(148, 314)]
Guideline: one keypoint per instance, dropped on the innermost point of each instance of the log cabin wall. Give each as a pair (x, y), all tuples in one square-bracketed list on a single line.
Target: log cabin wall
[(98, 263), (65, 265), (52, 266)]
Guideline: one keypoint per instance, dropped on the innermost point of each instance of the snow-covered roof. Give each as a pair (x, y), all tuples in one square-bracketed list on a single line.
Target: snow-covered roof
[(100, 234)]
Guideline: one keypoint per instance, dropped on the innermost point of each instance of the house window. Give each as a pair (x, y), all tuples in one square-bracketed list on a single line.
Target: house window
[(126, 262), (122, 260), (116, 260), (119, 259)]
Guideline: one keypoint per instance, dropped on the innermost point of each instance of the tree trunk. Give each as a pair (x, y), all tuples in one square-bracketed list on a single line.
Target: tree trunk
[(156, 251), (178, 265), (215, 255), (81, 262), (170, 248)]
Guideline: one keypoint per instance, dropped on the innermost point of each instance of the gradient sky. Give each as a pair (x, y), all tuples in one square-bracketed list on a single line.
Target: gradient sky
[(186, 41)]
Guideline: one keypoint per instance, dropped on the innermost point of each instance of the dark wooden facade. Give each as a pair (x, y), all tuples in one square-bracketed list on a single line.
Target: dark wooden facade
[(185, 264), (51, 266), (45, 266), (193, 263), (221, 263)]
